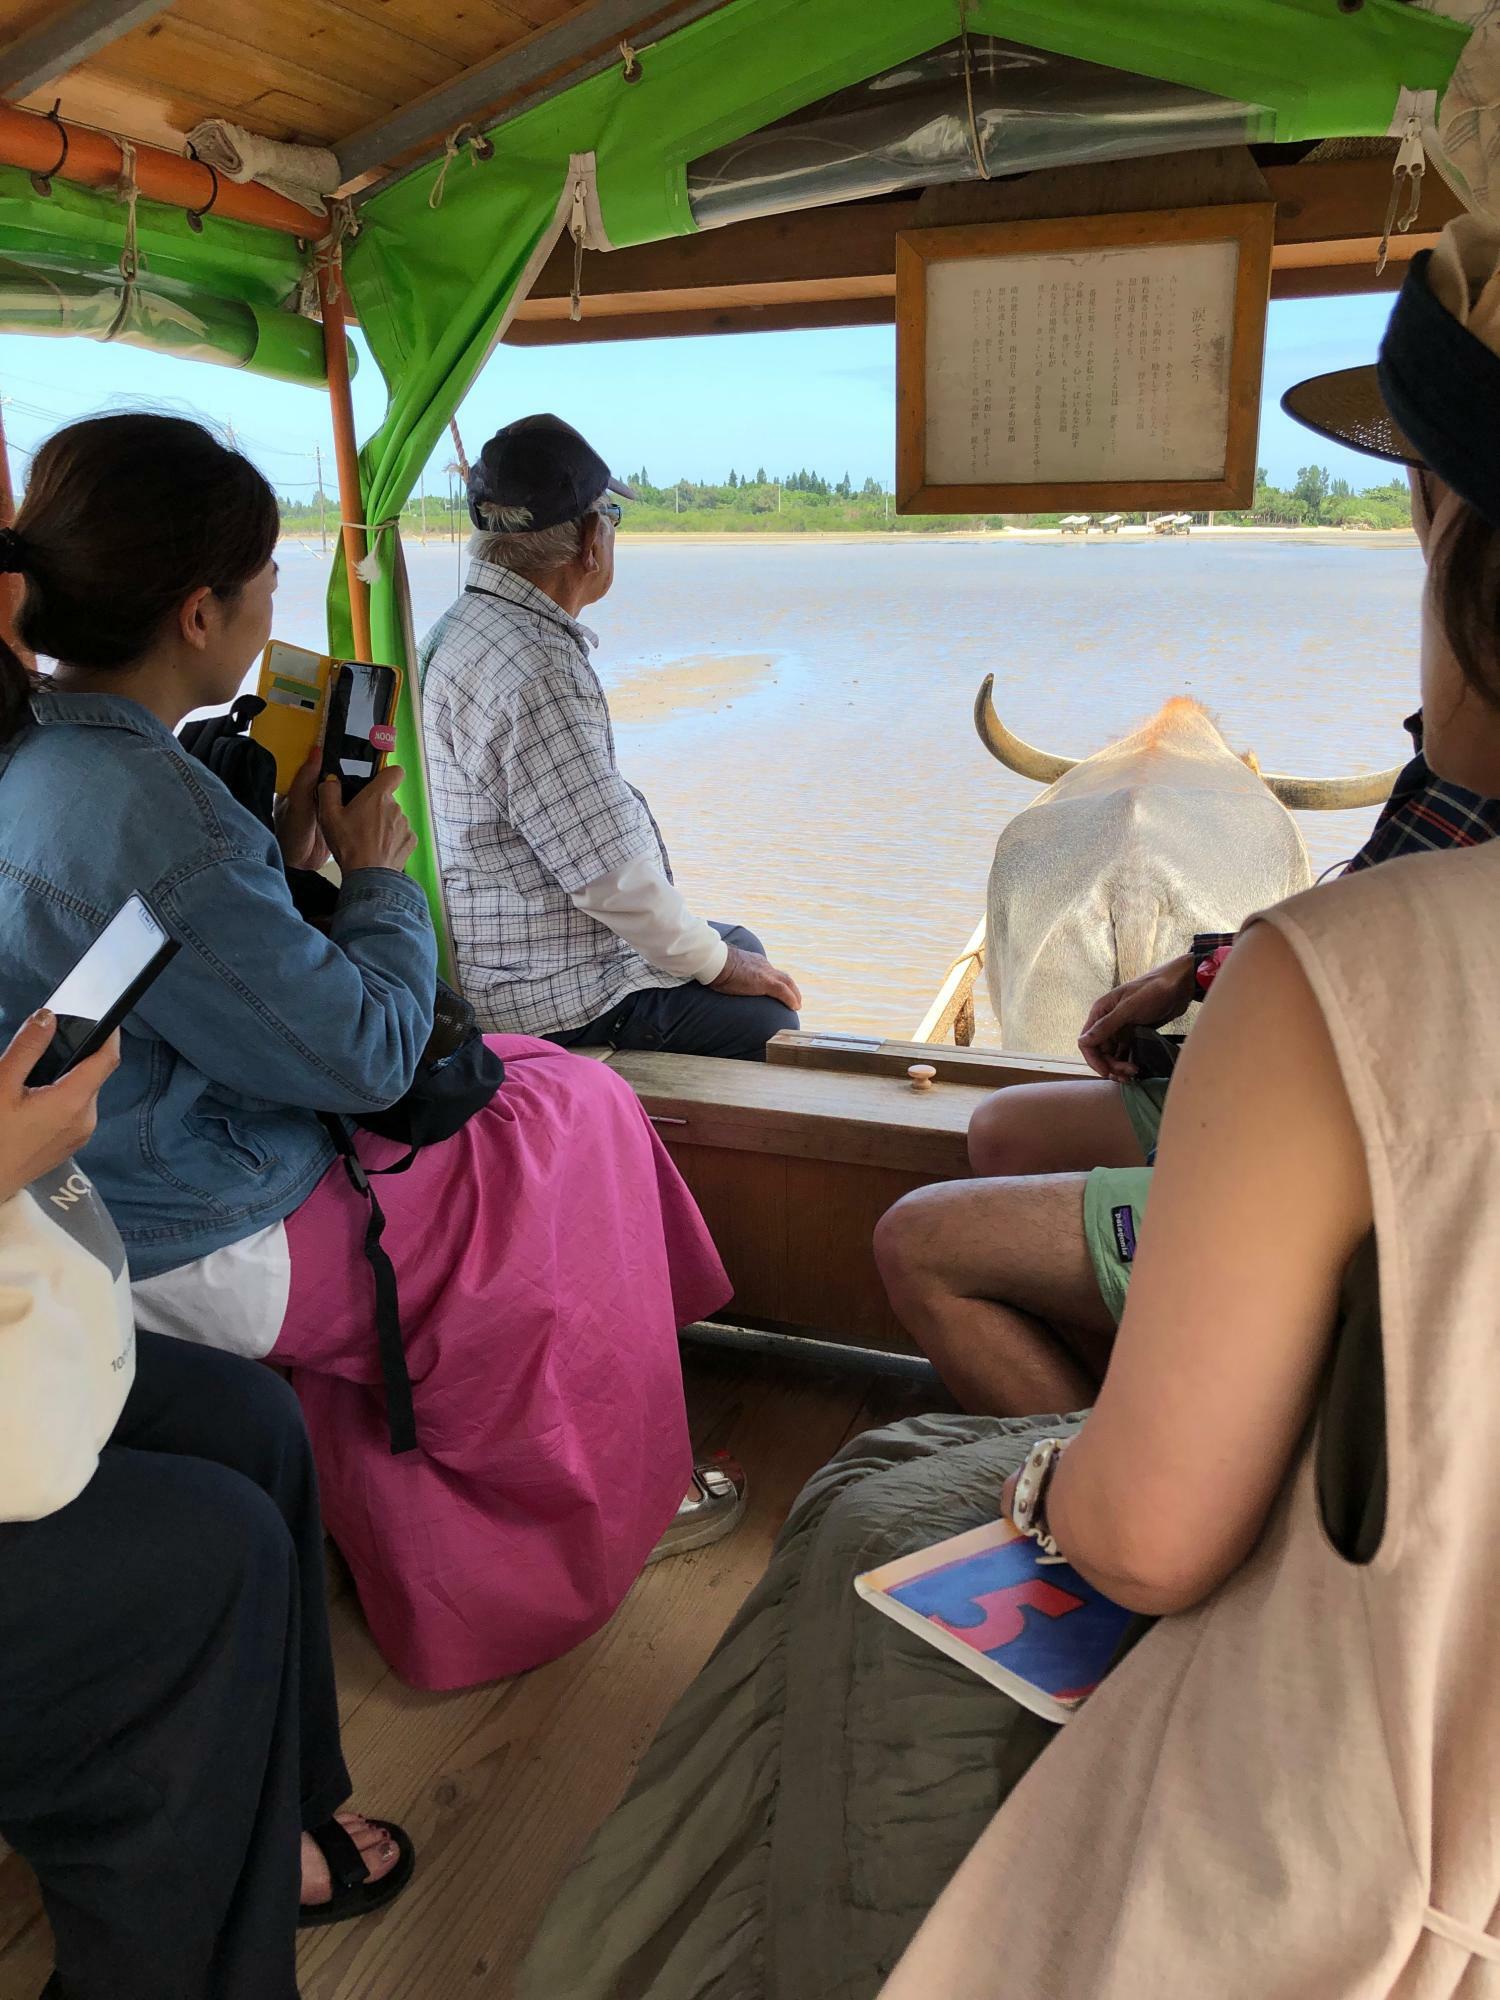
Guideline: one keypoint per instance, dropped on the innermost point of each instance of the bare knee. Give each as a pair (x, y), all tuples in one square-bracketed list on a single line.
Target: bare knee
[(1003, 1136), (912, 1246), (1052, 1128)]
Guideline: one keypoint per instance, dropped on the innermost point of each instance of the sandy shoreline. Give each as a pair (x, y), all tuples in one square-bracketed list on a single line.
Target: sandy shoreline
[(1351, 537), (1359, 538), (703, 682)]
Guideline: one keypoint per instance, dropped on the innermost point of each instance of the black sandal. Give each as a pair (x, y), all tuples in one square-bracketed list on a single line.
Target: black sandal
[(354, 1894)]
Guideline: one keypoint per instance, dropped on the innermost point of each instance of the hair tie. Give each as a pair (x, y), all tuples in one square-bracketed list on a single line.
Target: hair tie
[(12, 553)]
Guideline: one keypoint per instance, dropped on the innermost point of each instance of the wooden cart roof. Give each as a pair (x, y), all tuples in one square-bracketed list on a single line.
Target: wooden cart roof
[(383, 82), (371, 79)]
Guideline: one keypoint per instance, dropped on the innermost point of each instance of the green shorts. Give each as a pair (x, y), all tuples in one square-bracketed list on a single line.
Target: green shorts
[(1114, 1198)]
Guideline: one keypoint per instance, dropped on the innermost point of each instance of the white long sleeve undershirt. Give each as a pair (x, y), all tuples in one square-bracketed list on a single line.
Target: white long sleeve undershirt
[(639, 904)]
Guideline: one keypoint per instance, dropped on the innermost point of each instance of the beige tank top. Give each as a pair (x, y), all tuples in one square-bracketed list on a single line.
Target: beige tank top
[(1292, 1792)]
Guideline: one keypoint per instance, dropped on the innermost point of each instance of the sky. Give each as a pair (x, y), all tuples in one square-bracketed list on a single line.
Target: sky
[(681, 409)]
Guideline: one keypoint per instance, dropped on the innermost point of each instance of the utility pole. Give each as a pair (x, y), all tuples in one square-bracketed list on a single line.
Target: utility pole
[(677, 498), (322, 518), (422, 497), (778, 496)]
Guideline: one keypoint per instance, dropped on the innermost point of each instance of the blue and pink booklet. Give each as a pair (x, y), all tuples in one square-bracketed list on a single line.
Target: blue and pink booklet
[(991, 1601)]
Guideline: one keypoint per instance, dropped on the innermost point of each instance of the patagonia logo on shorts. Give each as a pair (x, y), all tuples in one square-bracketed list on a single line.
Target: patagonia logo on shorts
[(1124, 1221)]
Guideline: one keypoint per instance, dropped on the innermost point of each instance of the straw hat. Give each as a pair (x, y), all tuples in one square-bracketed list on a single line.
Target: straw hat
[(1347, 408), (1438, 374)]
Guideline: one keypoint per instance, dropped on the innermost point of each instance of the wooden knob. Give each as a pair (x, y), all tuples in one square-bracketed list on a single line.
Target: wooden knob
[(921, 1075)]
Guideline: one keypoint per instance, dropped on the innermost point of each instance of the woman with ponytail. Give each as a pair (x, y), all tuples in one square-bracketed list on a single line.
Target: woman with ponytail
[(547, 1253)]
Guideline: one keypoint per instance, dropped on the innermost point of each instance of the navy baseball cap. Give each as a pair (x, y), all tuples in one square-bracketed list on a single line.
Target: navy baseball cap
[(542, 465)]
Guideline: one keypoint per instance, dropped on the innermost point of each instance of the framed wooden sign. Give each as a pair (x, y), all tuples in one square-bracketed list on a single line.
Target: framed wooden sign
[(1094, 361)]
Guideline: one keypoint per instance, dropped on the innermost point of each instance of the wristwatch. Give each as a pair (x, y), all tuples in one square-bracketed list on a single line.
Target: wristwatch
[(1205, 946), (1028, 1507)]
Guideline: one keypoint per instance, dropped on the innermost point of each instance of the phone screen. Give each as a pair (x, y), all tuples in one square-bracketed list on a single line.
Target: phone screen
[(104, 985), (359, 710)]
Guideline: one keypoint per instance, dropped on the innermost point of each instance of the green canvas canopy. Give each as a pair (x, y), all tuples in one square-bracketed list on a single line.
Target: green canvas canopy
[(441, 255)]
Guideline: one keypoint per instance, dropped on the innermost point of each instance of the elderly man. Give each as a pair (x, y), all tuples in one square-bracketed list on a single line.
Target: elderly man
[(566, 921)]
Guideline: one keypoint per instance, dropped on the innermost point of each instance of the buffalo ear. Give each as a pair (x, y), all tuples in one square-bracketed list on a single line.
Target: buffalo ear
[(1251, 761)]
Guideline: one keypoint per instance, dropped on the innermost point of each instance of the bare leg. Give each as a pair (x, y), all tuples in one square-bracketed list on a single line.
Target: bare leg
[(994, 1282), (1053, 1128)]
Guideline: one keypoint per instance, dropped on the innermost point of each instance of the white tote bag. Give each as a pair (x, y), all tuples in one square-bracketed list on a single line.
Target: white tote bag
[(67, 1341)]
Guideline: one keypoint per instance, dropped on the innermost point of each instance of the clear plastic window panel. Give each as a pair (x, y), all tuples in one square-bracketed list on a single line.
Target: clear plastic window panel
[(912, 127)]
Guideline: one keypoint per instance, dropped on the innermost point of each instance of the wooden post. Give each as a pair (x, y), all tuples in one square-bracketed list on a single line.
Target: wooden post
[(346, 452)]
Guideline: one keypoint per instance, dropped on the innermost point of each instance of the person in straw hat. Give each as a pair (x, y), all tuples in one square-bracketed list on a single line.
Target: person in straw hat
[(1284, 1789), (1287, 1788)]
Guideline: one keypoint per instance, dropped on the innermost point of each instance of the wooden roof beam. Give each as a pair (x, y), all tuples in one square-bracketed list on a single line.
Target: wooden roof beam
[(525, 74), (67, 39), (836, 266)]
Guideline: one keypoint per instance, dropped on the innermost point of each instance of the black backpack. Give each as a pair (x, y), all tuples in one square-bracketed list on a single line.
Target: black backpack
[(458, 1073)]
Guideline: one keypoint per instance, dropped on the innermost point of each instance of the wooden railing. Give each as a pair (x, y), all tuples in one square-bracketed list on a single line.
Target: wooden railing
[(951, 1015)]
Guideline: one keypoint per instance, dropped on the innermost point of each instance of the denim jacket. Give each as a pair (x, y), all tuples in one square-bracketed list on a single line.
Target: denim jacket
[(208, 1131)]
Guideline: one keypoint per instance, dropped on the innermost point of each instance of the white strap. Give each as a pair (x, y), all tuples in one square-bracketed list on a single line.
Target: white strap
[(1479, 1944)]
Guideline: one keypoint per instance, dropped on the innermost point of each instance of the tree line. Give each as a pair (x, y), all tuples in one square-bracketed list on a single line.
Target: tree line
[(806, 502)]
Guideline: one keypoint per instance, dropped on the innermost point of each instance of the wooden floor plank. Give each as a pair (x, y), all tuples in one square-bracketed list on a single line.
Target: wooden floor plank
[(502, 1786)]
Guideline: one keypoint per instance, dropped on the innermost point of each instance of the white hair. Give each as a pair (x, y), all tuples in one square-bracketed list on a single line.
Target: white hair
[(507, 543)]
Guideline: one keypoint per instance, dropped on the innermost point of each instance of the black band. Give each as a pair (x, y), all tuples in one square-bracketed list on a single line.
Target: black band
[(400, 1416), (1442, 385), (1206, 943)]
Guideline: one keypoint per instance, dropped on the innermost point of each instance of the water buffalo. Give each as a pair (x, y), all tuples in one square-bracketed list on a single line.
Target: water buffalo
[(1128, 853)]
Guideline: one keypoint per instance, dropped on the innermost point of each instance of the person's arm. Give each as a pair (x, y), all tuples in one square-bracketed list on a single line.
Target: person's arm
[(1260, 1199), (265, 1004), (41, 1128), (1150, 1001), (639, 904)]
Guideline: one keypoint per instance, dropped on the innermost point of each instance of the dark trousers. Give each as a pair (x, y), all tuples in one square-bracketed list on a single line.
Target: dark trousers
[(691, 1020), (168, 1718)]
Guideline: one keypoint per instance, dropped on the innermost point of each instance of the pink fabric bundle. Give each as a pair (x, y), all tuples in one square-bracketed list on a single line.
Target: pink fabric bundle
[(547, 1256)]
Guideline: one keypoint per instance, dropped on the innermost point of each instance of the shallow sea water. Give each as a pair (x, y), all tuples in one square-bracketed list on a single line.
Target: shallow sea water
[(799, 715)]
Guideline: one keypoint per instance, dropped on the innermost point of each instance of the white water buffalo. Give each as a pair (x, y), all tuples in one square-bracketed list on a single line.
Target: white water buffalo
[(1126, 855)]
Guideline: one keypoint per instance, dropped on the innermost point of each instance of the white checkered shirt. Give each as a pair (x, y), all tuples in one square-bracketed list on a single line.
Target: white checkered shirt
[(529, 806)]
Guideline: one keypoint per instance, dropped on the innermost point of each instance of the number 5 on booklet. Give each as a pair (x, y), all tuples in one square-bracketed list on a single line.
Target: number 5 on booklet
[(989, 1600)]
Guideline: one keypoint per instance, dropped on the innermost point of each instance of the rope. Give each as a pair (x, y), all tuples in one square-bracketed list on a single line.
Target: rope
[(128, 190), (458, 446), (479, 147), (324, 257), (974, 139), (367, 569), (632, 62), (578, 228)]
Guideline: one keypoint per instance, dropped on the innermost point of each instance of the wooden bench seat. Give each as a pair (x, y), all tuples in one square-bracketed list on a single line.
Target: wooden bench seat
[(795, 1160)]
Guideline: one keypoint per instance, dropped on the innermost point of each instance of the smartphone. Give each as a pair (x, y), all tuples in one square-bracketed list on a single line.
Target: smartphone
[(294, 685), (359, 729), (128, 954)]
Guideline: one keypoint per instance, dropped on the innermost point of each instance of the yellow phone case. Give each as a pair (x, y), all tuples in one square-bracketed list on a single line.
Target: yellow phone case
[(294, 686)]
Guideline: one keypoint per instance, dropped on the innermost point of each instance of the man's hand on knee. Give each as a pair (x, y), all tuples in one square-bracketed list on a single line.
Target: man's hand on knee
[(749, 973)]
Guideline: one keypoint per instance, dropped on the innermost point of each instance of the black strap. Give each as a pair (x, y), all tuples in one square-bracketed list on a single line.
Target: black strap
[(347, 1868), (400, 1417)]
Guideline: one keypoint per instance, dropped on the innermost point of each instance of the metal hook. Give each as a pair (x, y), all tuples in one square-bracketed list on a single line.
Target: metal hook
[(195, 215), (43, 182)]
